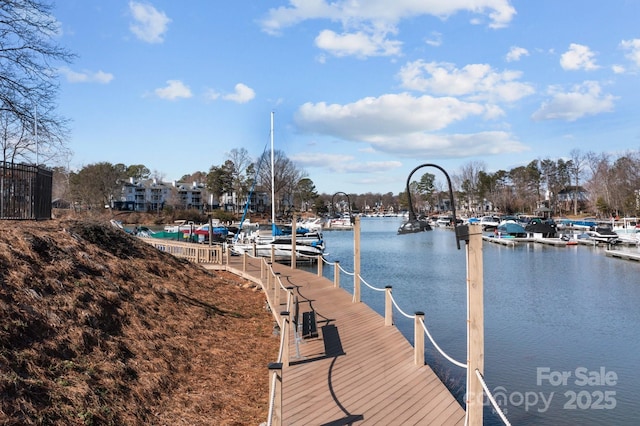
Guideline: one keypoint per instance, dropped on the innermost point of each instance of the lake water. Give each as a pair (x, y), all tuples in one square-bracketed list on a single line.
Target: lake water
[(561, 323)]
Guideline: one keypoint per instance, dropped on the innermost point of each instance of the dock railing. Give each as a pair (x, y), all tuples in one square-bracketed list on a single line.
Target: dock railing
[(193, 252), (420, 326)]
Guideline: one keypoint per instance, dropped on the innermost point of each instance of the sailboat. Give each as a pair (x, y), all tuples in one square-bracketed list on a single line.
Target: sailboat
[(261, 242)]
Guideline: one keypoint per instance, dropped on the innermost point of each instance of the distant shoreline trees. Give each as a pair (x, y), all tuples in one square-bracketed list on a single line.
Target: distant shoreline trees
[(588, 184)]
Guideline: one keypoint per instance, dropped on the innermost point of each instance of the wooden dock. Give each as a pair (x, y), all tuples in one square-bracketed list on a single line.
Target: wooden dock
[(355, 370)]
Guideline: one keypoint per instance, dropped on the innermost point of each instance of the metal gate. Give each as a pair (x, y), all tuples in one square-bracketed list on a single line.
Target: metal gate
[(25, 192)]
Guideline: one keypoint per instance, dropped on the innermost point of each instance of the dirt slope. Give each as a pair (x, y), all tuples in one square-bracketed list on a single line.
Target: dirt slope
[(98, 328)]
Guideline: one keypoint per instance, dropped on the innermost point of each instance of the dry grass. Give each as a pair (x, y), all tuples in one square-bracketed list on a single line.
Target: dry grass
[(98, 328)]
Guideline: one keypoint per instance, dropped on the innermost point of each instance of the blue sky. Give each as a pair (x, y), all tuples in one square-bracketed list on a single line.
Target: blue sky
[(363, 91)]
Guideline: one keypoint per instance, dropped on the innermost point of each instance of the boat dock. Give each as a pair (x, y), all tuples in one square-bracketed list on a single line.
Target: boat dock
[(623, 255), (351, 368), (511, 241)]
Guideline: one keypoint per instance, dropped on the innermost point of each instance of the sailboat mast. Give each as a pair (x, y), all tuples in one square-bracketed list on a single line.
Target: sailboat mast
[(273, 191)]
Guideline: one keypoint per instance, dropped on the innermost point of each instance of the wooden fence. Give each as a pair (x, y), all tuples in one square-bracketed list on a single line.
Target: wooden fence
[(196, 253)]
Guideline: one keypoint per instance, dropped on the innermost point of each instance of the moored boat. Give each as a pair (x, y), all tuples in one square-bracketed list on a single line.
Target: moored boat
[(603, 234), (343, 221), (489, 223), (544, 228), (510, 228), (412, 226)]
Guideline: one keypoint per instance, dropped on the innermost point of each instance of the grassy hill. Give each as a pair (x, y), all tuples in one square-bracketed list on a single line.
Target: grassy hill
[(98, 328)]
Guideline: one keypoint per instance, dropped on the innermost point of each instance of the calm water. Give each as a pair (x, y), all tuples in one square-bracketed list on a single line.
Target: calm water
[(561, 323)]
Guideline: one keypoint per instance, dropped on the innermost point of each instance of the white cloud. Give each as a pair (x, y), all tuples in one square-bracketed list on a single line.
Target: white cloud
[(583, 100), (371, 118), (350, 12), (618, 69), (366, 25), (474, 81), (633, 50), (150, 24), (359, 44), (86, 76), (426, 145), (339, 163), (515, 53), (175, 89), (578, 57), (435, 40), (242, 94), (403, 125)]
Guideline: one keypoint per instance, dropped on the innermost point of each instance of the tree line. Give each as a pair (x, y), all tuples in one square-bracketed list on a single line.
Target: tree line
[(589, 183), (586, 183)]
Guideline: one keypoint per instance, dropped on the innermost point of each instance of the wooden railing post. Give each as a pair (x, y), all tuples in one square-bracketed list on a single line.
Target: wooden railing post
[(284, 329), (244, 261), (320, 265), (356, 260), (254, 249), (475, 325), (336, 274), (294, 232), (275, 389), (289, 300), (276, 289), (388, 306), (418, 337), (269, 276), (273, 253), (262, 268)]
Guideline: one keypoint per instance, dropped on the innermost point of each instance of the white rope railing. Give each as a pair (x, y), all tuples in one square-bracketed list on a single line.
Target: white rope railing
[(492, 399), (369, 285), (327, 262), (272, 398), (433, 342), (346, 272), (280, 282), (400, 310)]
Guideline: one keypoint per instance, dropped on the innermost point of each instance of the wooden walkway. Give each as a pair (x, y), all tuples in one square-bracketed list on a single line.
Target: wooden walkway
[(357, 370)]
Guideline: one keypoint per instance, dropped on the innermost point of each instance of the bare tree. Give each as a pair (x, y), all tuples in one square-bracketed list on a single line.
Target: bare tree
[(599, 184), (577, 168), (95, 185), (28, 84), (286, 177), (241, 161), (470, 181)]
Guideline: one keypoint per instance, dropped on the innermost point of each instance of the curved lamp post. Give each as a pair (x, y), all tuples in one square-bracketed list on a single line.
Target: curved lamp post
[(461, 232), (348, 202), (475, 306)]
